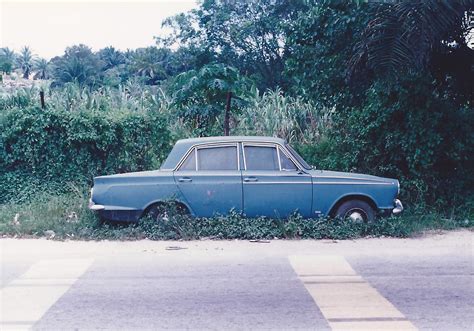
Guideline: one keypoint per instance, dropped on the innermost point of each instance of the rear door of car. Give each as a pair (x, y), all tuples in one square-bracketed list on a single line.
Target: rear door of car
[(210, 179), (272, 183)]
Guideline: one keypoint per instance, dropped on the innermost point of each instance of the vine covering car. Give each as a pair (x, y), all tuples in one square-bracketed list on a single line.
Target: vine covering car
[(257, 176)]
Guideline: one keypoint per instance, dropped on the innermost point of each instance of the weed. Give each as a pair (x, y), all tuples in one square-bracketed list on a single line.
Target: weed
[(67, 217)]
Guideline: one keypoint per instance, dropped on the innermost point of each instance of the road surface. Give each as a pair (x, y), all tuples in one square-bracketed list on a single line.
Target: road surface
[(379, 284)]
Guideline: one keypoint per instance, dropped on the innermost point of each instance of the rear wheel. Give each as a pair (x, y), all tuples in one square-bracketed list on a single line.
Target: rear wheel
[(356, 211), (161, 212)]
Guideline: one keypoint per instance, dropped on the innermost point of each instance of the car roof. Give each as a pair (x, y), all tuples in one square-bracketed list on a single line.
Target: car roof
[(183, 145), (193, 141)]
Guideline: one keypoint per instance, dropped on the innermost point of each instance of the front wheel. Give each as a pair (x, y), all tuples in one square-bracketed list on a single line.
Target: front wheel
[(356, 211)]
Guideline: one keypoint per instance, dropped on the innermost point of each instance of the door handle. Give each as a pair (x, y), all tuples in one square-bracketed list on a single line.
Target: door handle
[(250, 179), (185, 180)]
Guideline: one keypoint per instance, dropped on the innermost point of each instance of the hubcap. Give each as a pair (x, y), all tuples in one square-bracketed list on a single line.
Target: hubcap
[(356, 215)]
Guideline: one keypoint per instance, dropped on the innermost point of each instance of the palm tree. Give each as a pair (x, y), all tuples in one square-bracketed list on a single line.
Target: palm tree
[(25, 61), (204, 93), (404, 34), (152, 63), (7, 60), (42, 69), (111, 57), (78, 65)]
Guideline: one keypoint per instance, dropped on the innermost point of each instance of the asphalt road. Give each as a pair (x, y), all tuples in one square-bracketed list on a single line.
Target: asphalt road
[(379, 284)]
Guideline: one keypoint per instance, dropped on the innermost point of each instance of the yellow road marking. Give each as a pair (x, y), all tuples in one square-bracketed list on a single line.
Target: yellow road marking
[(345, 299), (25, 300)]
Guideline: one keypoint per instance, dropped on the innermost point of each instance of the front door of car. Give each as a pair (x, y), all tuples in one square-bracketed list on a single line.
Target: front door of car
[(210, 179), (272, 183)]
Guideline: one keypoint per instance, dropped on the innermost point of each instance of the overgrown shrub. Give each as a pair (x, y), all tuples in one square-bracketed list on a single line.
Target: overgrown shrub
[(47, 148), (407, 130)]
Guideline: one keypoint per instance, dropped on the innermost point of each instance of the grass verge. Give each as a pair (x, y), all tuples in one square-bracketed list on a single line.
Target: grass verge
[(67, 217)]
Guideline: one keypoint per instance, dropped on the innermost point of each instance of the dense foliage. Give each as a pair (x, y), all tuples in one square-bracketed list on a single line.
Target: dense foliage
[(51, 148), (377, 87)]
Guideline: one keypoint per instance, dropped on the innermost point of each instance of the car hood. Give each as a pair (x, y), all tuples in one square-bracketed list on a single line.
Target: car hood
[(340, 176)]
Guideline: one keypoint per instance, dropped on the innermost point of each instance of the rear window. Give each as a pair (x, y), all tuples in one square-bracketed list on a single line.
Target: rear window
[(190, 162), (217, 158)]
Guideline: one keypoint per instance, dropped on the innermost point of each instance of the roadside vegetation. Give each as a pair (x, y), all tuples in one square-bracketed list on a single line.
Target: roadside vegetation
[(66, 217), (379, 88)]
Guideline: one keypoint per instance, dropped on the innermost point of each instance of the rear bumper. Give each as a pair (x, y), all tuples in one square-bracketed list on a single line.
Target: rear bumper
[(398, 207), (94, 206), (114, 213)]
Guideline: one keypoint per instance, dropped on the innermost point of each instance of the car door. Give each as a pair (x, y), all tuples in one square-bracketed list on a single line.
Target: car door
[(272, 183), (210, 179)]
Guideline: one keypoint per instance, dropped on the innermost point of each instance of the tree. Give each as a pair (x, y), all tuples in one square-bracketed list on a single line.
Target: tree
[(319, 45), (41, 66), (202, 95), (152, 64), (78, 65), (25, 61), (405, 34), (416, 36), (7, 60), (247, 35), (111, 57)]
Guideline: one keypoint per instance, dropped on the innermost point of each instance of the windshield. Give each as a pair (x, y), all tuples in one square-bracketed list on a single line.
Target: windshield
[(298, 157)]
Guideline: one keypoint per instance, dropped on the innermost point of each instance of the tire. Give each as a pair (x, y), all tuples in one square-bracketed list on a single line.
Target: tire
[(161, 212), (356, 211)]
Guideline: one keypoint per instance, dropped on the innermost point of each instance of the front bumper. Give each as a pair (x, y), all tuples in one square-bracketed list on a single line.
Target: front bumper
[(398, 207)]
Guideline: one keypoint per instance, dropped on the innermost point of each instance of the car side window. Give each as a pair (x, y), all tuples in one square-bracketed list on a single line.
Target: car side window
[(190, 163), (217, 158), (286, 163), (261, 158)]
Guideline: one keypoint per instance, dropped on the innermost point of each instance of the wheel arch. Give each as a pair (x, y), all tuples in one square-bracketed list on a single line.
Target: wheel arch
[(158, 202), (353, 196)]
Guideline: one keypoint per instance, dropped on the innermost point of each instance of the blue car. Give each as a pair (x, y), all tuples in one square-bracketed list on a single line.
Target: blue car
[(256, 176)]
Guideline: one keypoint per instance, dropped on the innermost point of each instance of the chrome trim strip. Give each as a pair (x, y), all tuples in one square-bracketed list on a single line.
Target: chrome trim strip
[(298, 165), (351, 183), (195, 159), (238, 156), (288, 157), (357, 178), (307, 183), (245, 158), (195, 147), (275, 145), (180, 163), (278, 156)]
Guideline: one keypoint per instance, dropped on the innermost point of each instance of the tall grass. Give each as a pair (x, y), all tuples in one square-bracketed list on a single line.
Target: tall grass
[(291, 118), (130, 96)]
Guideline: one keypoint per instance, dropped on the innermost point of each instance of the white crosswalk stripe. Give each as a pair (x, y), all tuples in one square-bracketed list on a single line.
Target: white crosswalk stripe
[(25, 300), (345, 299)]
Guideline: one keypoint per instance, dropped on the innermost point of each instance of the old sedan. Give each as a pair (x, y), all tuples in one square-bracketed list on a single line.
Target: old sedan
[(257, 176)]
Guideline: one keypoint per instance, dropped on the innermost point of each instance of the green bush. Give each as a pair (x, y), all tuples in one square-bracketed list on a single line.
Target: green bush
[(406, 130), (48, 148)]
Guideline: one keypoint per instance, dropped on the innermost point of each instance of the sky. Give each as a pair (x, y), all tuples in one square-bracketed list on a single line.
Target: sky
[(48, 27)]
